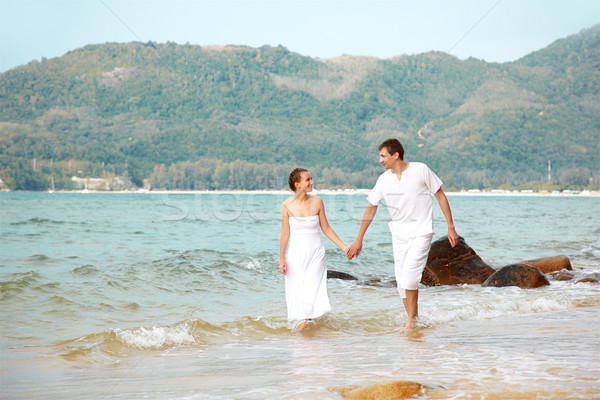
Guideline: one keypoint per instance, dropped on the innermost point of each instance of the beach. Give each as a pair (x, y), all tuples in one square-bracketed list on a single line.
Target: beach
[(361, 192)]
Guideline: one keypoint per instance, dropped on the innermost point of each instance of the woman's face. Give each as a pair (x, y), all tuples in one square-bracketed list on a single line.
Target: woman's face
[(305, 184)]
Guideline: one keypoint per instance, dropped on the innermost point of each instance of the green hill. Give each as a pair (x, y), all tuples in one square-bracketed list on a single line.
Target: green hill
[(191, 117)]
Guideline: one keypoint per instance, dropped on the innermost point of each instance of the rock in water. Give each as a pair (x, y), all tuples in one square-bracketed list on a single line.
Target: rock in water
[(454, 266), (340, 275), (550, 264), (562, 275), (522, 275), (592, 278), (383, 391), (378, 282)]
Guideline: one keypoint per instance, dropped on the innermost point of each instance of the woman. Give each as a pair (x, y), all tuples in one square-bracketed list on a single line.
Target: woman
[(304, 267)]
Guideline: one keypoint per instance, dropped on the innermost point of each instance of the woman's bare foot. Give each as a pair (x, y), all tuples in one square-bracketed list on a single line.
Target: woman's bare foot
[(303, 325)]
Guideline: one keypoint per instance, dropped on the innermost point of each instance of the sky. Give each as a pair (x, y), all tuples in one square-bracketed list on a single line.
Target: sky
[(492, 30)]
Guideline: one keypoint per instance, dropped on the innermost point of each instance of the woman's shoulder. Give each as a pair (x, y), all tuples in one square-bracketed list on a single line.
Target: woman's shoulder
[(286, 205), (317, 205), (316, 201)]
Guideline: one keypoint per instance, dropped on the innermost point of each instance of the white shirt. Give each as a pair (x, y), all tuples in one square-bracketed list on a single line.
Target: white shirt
[(408, 199)]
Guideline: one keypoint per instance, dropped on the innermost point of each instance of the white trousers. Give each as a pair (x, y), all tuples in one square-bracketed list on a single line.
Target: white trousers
[(410, 257)]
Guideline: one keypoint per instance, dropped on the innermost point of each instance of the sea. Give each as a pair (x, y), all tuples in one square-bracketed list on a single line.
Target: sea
[(179, 296)]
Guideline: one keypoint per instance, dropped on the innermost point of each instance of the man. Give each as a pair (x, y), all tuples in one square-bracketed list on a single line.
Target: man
[(407, 189)]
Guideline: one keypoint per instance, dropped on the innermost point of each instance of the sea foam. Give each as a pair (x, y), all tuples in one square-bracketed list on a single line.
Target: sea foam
[(156, 337)]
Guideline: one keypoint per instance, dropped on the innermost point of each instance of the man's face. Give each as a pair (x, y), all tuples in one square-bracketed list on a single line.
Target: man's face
[(386, 159)]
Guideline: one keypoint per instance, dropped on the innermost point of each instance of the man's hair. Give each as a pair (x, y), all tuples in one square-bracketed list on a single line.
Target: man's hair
[(393, 146)]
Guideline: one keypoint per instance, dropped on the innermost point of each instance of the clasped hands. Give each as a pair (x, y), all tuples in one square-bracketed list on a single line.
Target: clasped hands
[(354, 250)]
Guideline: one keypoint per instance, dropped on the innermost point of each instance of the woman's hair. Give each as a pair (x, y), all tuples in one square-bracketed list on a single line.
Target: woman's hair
[(393, 146), (295, 177)]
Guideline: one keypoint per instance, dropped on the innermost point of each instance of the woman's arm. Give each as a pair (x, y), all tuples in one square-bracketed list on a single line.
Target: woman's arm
[(327, 229), (285, 235)]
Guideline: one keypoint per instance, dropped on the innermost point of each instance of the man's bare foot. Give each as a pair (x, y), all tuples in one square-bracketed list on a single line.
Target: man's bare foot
[(410, 326)]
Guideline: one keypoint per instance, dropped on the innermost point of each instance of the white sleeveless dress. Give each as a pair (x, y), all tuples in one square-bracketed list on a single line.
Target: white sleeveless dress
[(306, 277)]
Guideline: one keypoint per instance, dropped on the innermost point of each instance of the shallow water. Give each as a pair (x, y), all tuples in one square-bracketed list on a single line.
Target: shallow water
[(179, 296)]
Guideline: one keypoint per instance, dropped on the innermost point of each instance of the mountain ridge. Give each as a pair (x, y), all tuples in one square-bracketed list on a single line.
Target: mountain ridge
[(193, 117)]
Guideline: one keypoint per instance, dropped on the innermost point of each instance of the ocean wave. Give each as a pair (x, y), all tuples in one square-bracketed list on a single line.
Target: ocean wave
[(365, 310), (61, 303), (592, 251), (210, 262), (437, 309), (156, 337), (475, 303), (22, 279), (37, 221), (17, 283), (39, 257), (86, 270), (119, 342)]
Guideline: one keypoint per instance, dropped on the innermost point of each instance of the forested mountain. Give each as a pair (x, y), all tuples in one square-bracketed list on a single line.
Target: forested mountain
[(192, 117)]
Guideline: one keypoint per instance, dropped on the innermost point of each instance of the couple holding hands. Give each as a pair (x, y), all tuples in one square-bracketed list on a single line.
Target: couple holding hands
[(406, 187)]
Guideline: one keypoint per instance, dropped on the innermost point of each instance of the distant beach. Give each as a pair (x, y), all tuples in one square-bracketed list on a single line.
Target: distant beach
[(472, 192)]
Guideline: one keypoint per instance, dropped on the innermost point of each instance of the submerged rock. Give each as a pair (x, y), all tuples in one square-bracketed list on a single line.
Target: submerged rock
[(378, 283), (454, 266), (340, 275), (383, 391), (562, 275), (550, 264), (522, 275), (592, 278)]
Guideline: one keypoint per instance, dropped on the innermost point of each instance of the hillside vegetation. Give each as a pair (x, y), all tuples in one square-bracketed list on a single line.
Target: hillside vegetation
[(235, 117)]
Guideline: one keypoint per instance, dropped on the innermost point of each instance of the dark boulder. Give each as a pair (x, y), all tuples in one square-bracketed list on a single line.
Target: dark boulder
[(522, 275), (454, 266), (340, 275), (550, 264)]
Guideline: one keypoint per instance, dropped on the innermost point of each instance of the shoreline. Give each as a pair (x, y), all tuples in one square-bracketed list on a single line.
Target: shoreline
[(344, 192)]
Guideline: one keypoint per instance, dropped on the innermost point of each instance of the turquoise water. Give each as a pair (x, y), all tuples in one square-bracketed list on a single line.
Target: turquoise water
[(179, 296)]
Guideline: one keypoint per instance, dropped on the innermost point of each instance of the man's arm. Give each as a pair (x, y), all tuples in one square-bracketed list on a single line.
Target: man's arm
[(356, 246), (445, 206)]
